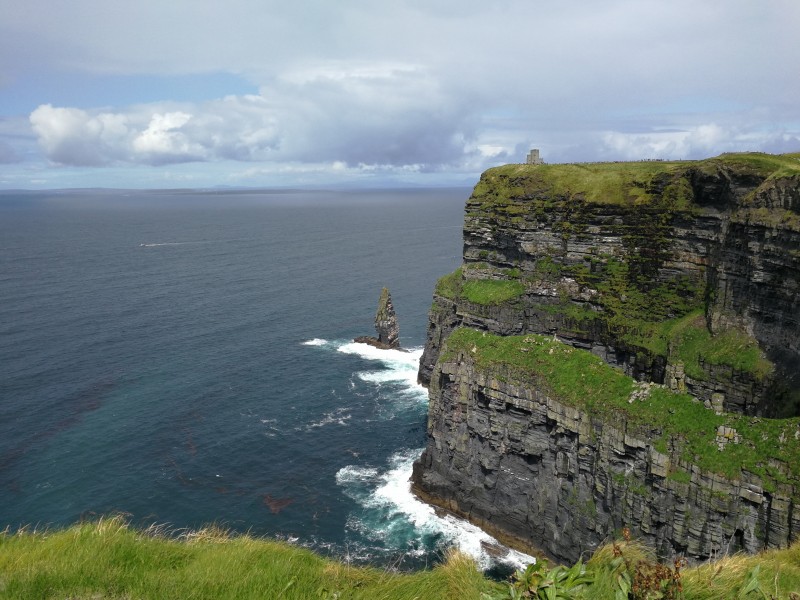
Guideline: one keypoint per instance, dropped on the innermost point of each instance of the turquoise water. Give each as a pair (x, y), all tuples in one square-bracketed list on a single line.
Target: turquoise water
[(185, 358)]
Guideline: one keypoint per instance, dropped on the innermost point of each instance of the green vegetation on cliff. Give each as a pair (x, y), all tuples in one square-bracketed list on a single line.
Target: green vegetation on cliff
[(605, 183), (638, 319), (674, 423), (109, 560), (641, 183), (487, 292)]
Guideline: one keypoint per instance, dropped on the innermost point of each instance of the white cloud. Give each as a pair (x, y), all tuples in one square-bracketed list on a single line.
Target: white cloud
[(75, 137), (163, 139), (420, 85), (696, 142), (373, 114)]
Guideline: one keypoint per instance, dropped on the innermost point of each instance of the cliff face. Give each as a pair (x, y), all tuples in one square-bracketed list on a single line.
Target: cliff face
[(683, 278), (510, 455), (637, 270)]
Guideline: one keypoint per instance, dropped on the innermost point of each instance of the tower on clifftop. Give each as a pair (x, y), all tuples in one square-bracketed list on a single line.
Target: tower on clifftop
[(534, 158)]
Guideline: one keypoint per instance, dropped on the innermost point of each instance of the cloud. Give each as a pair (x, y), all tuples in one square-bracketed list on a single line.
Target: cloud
[(367, 114), (238, 128), (343, 84), (696, 142), (72, 136), (164, 138)]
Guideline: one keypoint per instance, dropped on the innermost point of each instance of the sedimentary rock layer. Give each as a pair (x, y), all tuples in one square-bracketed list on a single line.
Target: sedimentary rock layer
[(512, 458), (719, 239), (684, 276)]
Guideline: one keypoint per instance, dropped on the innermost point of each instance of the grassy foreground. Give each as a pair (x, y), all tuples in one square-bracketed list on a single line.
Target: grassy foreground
[(107, 559)]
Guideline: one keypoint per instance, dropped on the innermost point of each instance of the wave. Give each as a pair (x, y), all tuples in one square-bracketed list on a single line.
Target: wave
[(336, 417), (391, 513), (399, 366), (390, 517)]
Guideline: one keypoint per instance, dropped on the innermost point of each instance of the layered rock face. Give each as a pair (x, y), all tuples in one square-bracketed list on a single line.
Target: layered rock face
[(536, 471), (685, 276), (715, 239)]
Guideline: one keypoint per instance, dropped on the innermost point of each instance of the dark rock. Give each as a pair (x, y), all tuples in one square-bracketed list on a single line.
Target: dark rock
[(546, 476), (515, 461), (386, 321), (734, 253), (385, 325)]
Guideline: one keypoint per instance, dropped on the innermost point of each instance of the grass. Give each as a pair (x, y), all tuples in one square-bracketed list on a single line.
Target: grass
[(108, 559), (640, 183), (487, 292), (641, 320), (688, 339), (693, 342), (769, 166), (768, 447), (605, 183), (778, 575), (772, 574), (450, 285), (492, 291)]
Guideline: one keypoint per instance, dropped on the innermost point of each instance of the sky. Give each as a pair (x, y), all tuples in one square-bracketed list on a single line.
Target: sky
[(264, 93)]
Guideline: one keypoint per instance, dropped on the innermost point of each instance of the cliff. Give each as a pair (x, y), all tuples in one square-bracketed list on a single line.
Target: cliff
[(682, 273), (678, 286)]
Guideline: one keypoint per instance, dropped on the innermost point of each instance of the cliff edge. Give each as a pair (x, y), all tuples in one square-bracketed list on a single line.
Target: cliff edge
[(681, 278)]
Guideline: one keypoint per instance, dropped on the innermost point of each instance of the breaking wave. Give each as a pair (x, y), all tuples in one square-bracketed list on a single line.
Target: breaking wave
[(389, 515)]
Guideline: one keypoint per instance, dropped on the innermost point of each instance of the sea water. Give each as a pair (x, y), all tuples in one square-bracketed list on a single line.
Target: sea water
[(186, 358)]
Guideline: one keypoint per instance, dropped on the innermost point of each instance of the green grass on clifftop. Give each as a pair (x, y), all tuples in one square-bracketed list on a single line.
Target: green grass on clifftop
[(769, 448), (628, 183)]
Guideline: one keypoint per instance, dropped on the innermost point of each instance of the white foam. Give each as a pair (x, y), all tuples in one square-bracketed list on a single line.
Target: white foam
[(390, 356), (399, 366), (352, 474), (392, 513), (393, 495), (156, 244), (336, 417)]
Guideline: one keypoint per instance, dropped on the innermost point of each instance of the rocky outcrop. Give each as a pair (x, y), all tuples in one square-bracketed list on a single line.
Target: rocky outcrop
[(683, 276), (517, 461), (385, 325)]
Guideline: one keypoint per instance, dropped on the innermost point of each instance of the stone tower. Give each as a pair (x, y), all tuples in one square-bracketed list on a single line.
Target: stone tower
[(534, 158)]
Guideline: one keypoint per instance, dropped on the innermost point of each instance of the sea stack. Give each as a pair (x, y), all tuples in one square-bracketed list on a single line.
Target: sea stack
[(385, 325)]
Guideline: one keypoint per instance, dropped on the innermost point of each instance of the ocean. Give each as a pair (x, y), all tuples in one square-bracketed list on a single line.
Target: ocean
[(185, 358)]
